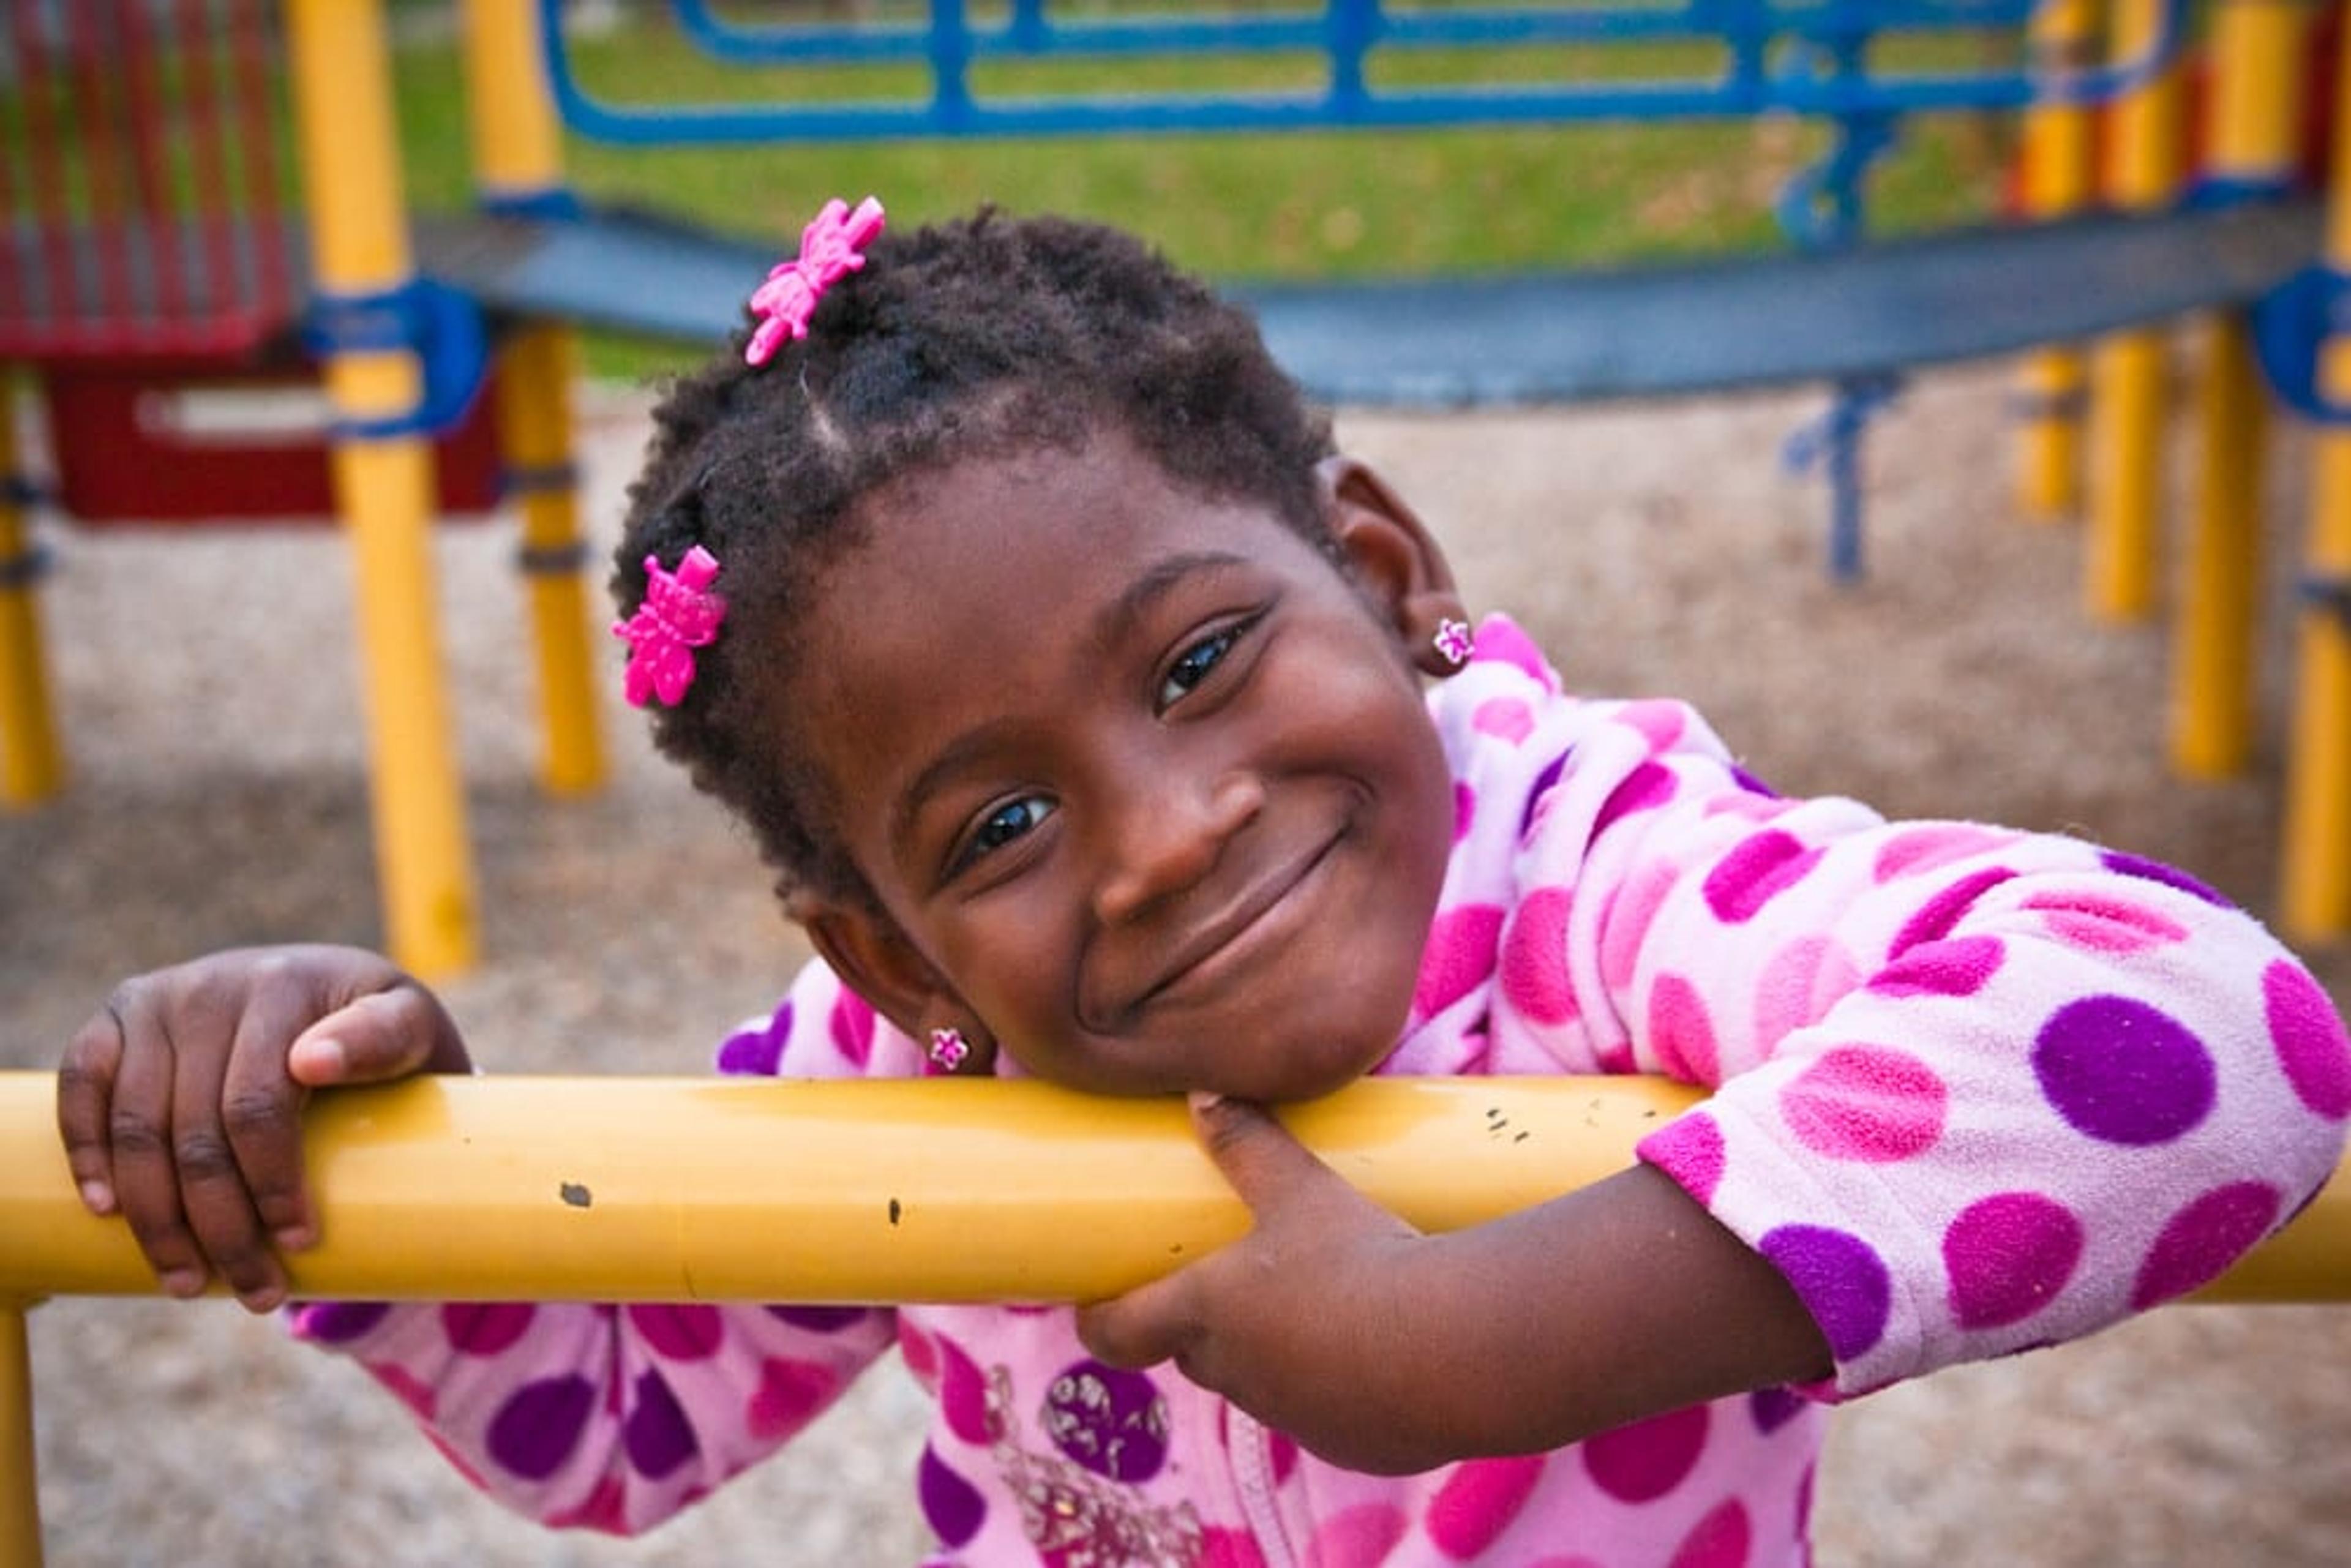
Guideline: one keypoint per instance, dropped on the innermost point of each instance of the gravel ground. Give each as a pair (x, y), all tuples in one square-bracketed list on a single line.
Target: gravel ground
[(218, 799)]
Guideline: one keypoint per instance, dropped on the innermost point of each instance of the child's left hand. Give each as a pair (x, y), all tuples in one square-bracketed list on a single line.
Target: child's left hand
[(1314, 1322)]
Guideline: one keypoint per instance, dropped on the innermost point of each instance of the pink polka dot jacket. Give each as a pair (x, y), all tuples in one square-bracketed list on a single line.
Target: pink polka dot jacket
[(1976, 1091)]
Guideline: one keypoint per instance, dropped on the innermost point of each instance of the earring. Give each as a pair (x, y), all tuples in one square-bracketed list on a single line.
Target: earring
[(949, 1050), (1453, 641)]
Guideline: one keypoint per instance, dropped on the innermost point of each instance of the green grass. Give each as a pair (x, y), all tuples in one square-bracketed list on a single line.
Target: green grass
[(1303, 205)]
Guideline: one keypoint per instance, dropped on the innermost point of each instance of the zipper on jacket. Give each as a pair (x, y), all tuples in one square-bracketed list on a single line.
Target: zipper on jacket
[(1251, 1452)]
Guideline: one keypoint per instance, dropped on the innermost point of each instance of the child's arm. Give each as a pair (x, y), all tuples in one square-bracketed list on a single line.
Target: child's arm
[(179, 1101)]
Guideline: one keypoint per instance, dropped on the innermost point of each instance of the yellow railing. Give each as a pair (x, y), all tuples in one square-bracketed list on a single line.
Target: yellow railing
[(943, 1190)]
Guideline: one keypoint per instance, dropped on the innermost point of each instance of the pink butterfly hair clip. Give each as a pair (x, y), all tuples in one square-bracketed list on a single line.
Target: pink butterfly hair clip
[(832, 247), (679, 614)]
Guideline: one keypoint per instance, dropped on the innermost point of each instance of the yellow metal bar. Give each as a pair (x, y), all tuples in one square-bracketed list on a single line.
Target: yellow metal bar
[(358, 242), (32, 763), (518, 141), (2257, 71), (2058, 176), (20, 1491), (2127, 370), (937, 1190), (2316, 897)]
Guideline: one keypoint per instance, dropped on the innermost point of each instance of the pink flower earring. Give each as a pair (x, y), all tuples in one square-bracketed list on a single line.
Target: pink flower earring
[(1453, 641), (948, 1050)]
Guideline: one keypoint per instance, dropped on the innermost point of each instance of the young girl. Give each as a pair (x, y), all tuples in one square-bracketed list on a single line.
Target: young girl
[(1075, 690)]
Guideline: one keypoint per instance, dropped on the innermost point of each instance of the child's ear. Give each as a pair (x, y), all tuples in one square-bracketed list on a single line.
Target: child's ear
[(1397, 561), (874, 959)]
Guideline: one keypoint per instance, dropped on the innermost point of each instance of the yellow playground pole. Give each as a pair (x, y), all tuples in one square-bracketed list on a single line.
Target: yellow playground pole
[(2141, 173), (2257, 68), (2058, 172), (517, 156), (383, 484), (2316, 894), (32, 763), (20, 1498)]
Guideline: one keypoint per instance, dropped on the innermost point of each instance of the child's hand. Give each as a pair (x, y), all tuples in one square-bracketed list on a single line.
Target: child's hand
[(1309, 1321), (179, 1102)]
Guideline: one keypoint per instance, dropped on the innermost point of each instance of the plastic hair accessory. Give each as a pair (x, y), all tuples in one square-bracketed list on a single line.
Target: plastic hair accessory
[(832, 247), (1453, 640), (948, 1050), (678, 615)]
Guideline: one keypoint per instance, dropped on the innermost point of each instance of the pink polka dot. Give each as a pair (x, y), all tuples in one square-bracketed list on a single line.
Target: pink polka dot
[(1625, 923), (1534, 958), (852, 1027), (1959, 967), (1459, 956), (1688, 1149), (484, 1328), (1465, 810), (1564, 1562), (963, 1394), (1505, 718), (1644, 1461), (2101, 923), (1799, 985), (1935, 919), (2309, 1039), (1647, 786), (1477, 1503), (1866, 1102), (789, 1394), (1925, 847), (407, 1387), (1721, 1539), (1364, 1533), (2199, 1242), (920, 1354), (2007, 1256), (680, 1332), (605, 1510), (1499, 638), (1680, 1031), (1661, 724), (1762, 867), (1221, 1548)]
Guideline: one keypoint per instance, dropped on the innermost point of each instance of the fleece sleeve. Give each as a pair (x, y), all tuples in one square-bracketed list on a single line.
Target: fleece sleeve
[(1975, 1090), (615, 1417)]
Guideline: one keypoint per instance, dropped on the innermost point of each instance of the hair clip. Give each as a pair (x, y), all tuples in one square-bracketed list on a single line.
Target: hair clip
[(832, 247), (949, 1050), (679, 614), (1453, 641)]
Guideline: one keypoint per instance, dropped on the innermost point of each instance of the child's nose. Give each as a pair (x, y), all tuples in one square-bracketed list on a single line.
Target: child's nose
[(1168, 838)]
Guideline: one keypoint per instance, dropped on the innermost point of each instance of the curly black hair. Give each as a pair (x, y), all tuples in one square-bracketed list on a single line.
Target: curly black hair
[(979, 337)]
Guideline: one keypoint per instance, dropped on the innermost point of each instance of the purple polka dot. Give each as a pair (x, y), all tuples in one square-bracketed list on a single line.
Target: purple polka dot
[(1758, 871), (336, 1322), (951, 1504), (2156, 871), (820, 1320), (2201, 1241), (2120, 1071), (1752, 785), (680, 1332), (1841, 1280), (2309, 1038), (1958, 968), (1648, 785), (1939, 914), (1465, 810), (1773, 1408), (539, 1425), (484, 1328), (2007, 1256), (656, 1433), (1113, 1421), (1649, 1459), (1540, 790), (758, 1050)]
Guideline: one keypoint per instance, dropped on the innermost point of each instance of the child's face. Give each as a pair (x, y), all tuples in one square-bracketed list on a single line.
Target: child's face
[(1147, 788)]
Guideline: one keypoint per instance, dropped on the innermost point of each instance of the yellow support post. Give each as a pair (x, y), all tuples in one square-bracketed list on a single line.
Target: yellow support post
[(20, 1489), (2058, 172), (2316, 895), (32, 763), (358, 244), (908, 1190), (2127, 370), (518, 157), (2257, 59)]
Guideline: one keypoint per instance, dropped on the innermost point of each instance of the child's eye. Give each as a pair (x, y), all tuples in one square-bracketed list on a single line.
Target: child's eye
[(1011, 820), (1195, 664)]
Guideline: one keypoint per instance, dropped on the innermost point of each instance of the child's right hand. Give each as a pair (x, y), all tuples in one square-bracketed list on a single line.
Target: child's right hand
[(179, 1101)]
